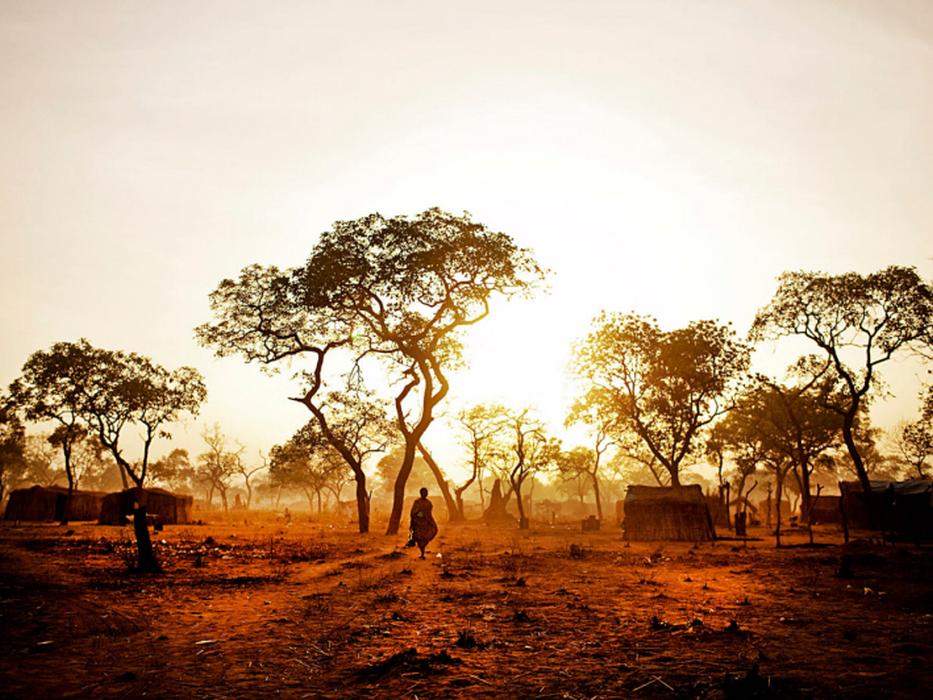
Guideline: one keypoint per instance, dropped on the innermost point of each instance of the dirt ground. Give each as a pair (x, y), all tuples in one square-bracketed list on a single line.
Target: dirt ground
[(311, 610)]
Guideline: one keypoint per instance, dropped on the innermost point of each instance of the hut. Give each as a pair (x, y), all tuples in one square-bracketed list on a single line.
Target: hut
[(904, 508), (52, 503), (718, 509), (169, 508), (667, 513), (826, 510)]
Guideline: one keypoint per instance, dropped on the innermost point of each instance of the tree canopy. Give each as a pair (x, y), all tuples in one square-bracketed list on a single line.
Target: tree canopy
[(858, 321), (666, 386), (397, 288)]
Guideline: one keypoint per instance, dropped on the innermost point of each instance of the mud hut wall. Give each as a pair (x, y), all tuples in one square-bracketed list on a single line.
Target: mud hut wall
[(666, 513), (658, 520), (44, 503), (718, 510), (36, 503), (826, 510), (168, 507)]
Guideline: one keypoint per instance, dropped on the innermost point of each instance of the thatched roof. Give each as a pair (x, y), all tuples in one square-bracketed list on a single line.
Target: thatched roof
[(51, 503), (667, 513), (168, 507)]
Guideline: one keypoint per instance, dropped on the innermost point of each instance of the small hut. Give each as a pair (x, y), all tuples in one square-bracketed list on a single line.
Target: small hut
[(718, 510), (901, 507), (169, 508), (826, 510), (52, 503), (667, 513)]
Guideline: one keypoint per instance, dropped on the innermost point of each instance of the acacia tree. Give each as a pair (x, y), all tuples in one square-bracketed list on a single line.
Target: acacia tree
[(592, 411), (12, 448), (308, 462), (859, 322), (666, 386), (573, 469), (533, 452), (735, 436), (248, 472), (174, 471), (51, 387), (128, 390), (218, 464), (914, 440), (398, 288), (482, 424)]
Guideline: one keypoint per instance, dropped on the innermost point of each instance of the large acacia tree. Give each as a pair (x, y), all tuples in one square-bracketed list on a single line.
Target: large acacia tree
[(665, 386), (399, 288), (859, 322)]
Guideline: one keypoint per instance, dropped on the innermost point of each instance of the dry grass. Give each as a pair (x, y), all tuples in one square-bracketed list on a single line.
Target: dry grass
[(306, 609)]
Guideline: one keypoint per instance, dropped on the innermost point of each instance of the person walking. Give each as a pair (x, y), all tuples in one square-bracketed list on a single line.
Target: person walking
[(423, 529)]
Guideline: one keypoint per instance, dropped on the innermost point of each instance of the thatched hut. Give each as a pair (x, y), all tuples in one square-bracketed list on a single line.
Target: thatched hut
[(52, 503), (826, 509), (718, 510), (901, 507), (667, 513), (169, 508)]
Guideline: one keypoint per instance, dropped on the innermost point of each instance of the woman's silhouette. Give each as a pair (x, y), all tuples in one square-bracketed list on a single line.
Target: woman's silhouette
[(423, 528)]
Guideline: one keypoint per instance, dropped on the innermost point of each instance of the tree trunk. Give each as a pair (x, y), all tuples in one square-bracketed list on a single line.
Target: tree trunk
[(805, 497), (398, 490), (146, 560), (777, 500), (675, 476), (599, 503), (453, 513), (458, 494), (320, 507), (848, 424), (522, 520), (362, 501), (71, 489)]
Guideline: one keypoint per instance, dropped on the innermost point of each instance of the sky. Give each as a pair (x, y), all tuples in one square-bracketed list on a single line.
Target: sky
[(670, 158)]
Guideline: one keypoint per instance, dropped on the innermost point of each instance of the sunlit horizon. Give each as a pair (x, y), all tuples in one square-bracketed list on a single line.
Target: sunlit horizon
[(665, 160)]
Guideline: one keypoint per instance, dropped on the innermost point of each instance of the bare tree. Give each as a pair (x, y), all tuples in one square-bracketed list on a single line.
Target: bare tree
[(533, 452), (481, 424), (218, 464)]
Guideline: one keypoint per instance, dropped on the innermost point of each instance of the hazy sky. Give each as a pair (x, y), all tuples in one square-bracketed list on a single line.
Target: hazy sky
[(667, 157)]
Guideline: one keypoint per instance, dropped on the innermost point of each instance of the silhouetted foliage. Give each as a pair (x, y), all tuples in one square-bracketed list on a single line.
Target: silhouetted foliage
[(174, 471), (12, 448), (666, 386), (915, 439), (859, 322), (604, 428), (396, 288), (52, 386), (217, 464), (307, 462), (103, 391), (533, 452)]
